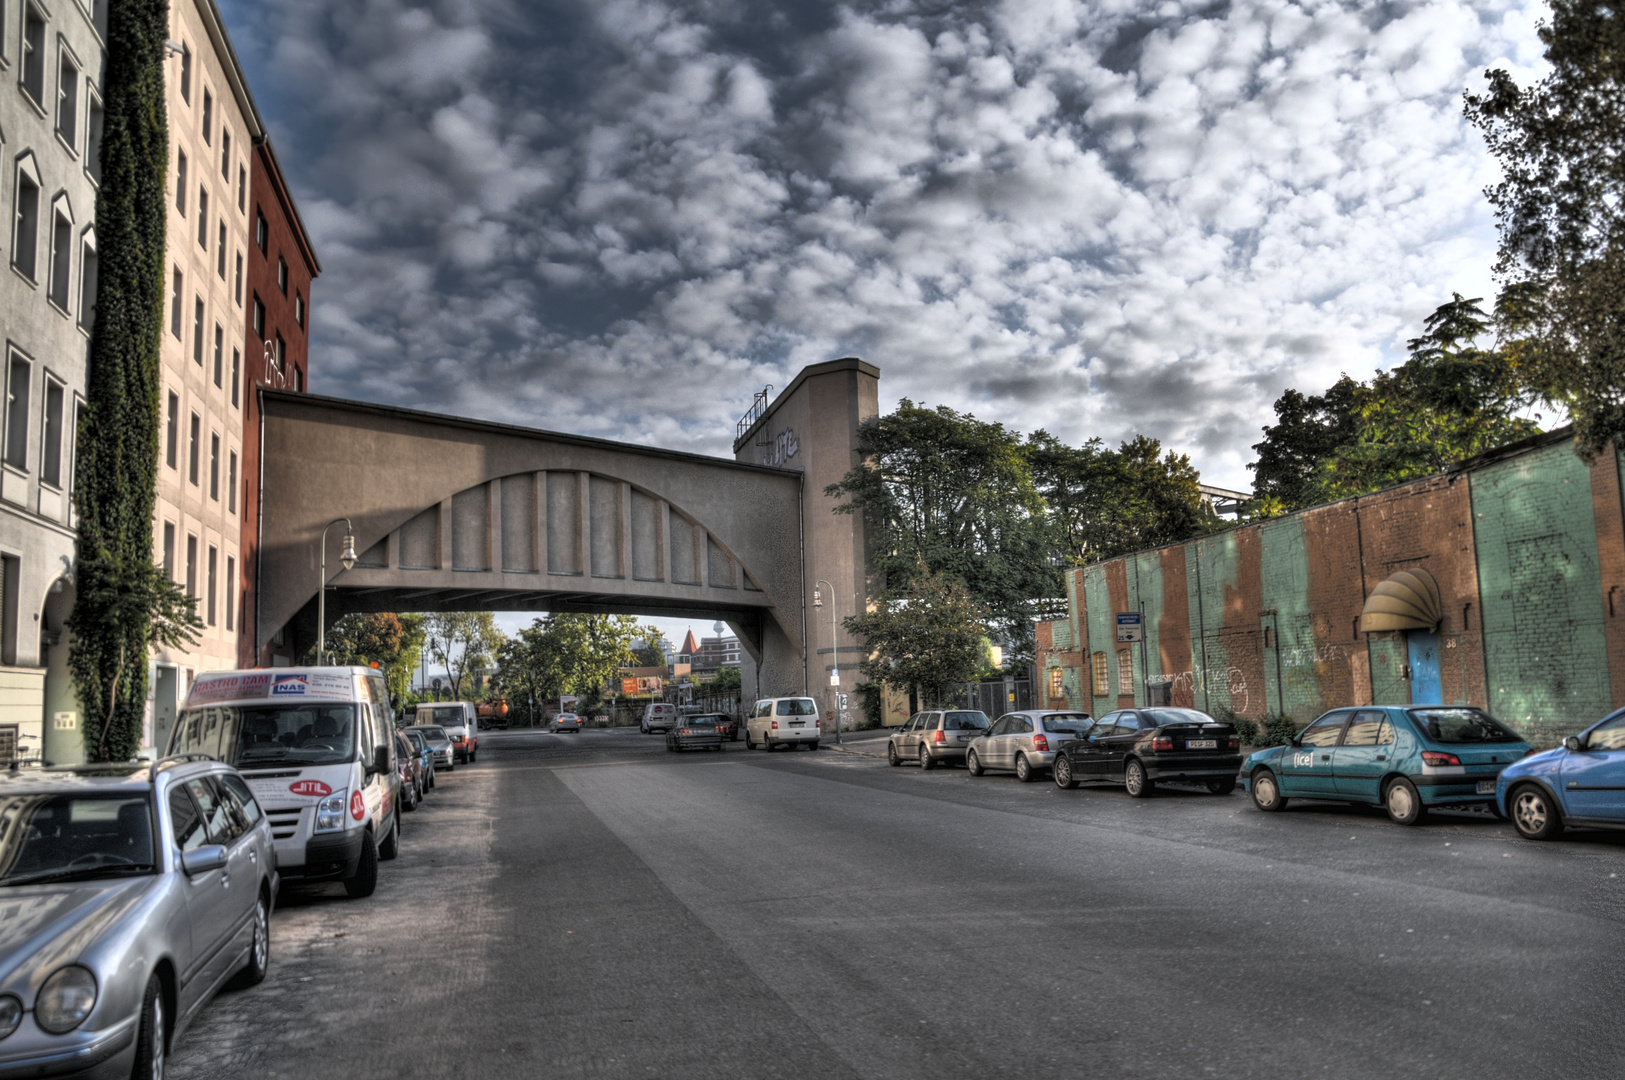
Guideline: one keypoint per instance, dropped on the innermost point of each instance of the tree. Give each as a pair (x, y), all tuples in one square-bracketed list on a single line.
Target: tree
[(462, 641), (1307, 431), (1560, 209), (926, 641), (395, 642), (566, 653), (125, 604), (726, 679)]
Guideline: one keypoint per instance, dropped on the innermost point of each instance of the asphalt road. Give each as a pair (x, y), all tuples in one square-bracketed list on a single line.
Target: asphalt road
[(590, 906)]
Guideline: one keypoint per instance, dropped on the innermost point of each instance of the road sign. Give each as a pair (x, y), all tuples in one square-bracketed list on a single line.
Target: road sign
[(835, 678), (1130, 626)]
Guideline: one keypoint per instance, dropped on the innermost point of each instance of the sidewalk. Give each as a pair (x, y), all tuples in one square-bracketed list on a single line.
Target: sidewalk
[(871, 743)]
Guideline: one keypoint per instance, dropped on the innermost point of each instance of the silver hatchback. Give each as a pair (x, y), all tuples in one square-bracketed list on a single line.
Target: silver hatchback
[(1025, 742), (936, 737)]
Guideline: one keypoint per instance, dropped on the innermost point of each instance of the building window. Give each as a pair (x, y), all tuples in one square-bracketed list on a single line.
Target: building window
[(1125, 671), (280, 354), (33, 73), (298, 381), (67, 100), (231, 589), (231, 482), (214, 466), (259, 317), (225, 156), (180, 181), (261, 231), (194, 450), (95, 116), (242, 190), (191, 565), (61, 258), (179, 283), (1056, 689), (1097, 664), (169, 550), (203, 217), (208, 117), (197, 331), (50, 466), (208, 603), (220, 253), (186, 73), (236, 374), (18, 384), (25, 224), (282, 274), (237, 290), (299, 309), (219, 353), (172, 432), (87, 281)]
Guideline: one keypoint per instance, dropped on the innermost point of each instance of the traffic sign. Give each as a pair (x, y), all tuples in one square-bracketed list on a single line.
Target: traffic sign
[(1130, 626)]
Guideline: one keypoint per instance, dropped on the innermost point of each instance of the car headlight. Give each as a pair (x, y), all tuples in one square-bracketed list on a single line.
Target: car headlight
[(65, 1000), (11, 1014), (330, 811)]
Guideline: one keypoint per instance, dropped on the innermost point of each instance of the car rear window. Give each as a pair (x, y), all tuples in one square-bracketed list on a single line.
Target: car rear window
[(966, 721), (1462, 726), (1178, 716), (801, 706), (1067, 723)]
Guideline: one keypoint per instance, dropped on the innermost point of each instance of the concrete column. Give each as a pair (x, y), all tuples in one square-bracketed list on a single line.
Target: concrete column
[(538, 524), (584, 524), (493, 525), (702, 555), (623, 515), (392, 550), (444, 554), (662, 518)]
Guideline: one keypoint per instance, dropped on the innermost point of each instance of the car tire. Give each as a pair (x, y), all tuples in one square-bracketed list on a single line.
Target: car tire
[(259, 950), (973, 764), (473, 756), (1222, 787), (1403, 803), (1266, 791), (364, 881), (150, 1034), (926, 763), (813, 745), (891, 755), (409, 797), (1534, 813), (391, 846), (1062, 771), (1135, 782), (1024, 769)]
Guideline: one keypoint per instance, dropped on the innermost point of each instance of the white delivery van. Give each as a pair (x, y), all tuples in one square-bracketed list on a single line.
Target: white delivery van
[(317, 748), (660, 716), (462, 723), (785, 721)]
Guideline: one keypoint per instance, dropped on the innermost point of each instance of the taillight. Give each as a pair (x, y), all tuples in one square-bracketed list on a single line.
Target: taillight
[(358, 806), (1162, 742), (775, 725), (938, 737), (1040, 742), (1439, 757), (1233, 744)]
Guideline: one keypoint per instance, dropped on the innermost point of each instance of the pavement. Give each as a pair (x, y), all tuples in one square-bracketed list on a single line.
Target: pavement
[(588, 905)]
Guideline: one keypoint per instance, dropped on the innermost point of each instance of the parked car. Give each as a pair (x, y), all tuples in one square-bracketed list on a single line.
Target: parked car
[(1403, 758), (785, 721), (461, 723), (131, 894), (565, 721), (1138, 748), (1025, 742), (425, 755), (727, 726), (658, 716), (935, 737), (317, 747), (694, 733), (1581, 783), (408, 767), (439, 743)]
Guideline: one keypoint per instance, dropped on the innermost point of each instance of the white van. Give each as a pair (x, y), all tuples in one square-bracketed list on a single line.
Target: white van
[(784, 721), (317, 748), (462, 723), (659, 716)]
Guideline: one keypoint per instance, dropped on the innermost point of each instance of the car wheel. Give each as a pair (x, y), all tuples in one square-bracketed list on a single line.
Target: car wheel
[(1534, 814), (748, 744), (1135, 782), (1222, 787), (259, 951), (409, 799), (365, 879), (149, 1039), (1024, 769), (973, 764), (891, 755), (1062, 771), (1403, 803), (1266, 791), (925, 760), (472, 756), (813, 745), (391, 846)]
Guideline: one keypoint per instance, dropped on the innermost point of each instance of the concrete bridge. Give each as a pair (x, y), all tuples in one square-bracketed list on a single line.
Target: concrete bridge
[(453, 514)]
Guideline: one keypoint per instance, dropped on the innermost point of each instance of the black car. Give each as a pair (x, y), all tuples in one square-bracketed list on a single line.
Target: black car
[(1139, 747)]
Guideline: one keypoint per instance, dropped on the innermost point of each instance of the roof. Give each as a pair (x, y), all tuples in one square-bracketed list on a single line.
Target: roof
[(847, 363), (221, 39)]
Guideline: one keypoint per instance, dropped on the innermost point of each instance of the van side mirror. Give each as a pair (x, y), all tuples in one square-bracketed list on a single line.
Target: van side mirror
[(201, 860), (1572, 743), (380, 760)]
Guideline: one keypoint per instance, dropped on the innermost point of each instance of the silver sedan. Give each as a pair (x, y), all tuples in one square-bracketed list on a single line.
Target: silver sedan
[(132, 893), (1025, 742)]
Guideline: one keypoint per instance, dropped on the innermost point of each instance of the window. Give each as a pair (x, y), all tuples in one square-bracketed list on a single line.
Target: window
[(220, 253), (87, 281), (50, 465), (1324, 732), (186, 73), (208, 118), (231, 483), (191, 565), (185, 821), (1366, 730), (261, 231), (280, 354), (194, 449), (179, 283), (61, 279), (67, 100), (25, 222), (203, 217), (231, 589), (237, 290), (219, 353), (33, 73), (169, 550), (95, 116), (172, 431), (213, 584), (18, 384), (299, 310), (236, 373), (259, 317), (1098, 666), (1056, 689), (197, 331), (282, 274), (242, 190), (225, 156), (1125, 671), (180, 182), (298, 381), (214, 467)]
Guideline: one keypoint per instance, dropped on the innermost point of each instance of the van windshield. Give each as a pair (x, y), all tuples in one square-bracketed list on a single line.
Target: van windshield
[(280, 734)]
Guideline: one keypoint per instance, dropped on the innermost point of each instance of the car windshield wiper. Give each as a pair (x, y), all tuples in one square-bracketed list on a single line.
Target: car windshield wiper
[(83, 872)]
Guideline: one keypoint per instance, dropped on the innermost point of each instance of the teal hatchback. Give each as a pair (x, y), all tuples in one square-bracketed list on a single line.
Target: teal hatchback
[(1402, 758)]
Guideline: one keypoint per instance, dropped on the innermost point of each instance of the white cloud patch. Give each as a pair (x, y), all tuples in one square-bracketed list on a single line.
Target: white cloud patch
[(1101, 218)]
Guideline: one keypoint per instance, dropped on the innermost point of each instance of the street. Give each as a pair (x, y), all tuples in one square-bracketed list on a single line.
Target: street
[(589, 905)]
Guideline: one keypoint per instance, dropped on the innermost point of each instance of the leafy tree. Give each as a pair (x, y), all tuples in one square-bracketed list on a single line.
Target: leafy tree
[(125, 604), (726, 679), (1560, 208), (1307, 431), (461, 642), (395, 642), (925, 641), (566, 653), (649, 655)]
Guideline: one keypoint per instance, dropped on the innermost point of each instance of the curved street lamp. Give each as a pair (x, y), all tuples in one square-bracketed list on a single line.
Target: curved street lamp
[(347, 557)]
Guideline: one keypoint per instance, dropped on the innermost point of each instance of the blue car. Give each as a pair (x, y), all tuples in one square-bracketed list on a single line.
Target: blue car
[(1403, 758), (1580, 783)]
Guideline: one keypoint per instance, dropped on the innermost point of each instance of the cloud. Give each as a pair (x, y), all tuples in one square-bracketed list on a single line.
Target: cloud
[(1099, 218)]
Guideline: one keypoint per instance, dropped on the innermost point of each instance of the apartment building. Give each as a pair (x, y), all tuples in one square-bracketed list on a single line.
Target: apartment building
[(198, 521), (51, 89)]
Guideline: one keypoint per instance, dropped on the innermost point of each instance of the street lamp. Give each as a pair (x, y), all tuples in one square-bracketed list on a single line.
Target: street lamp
[(834, 652), (347, 557)]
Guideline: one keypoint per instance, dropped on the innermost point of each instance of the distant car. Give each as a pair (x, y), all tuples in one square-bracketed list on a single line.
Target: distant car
[(445, 754), (727, 726), (1581, 783), (1025, 742), (936, 737), (1139, 748), (420, 747), (658, 716), (410, 767), (565, 721), (461, 723), (129, 894), (694, 733), (1402, 758)]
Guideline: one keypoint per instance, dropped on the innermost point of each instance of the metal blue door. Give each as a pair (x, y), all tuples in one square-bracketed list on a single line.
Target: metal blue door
[(1426, 688)]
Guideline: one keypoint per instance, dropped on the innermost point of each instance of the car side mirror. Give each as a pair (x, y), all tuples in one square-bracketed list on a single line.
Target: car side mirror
[(201, 860), (380, 759), (1292, 740), (1572, 743)]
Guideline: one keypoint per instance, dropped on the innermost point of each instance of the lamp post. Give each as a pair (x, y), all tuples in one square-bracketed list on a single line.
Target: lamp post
[(347, 557), (834, 653)]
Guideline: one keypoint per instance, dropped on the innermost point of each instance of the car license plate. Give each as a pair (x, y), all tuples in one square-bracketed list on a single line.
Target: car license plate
[(798, 723), (1486, 787), (1201, 744)]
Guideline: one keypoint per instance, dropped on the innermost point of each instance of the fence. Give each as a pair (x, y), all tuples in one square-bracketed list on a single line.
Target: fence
[(995, 696)]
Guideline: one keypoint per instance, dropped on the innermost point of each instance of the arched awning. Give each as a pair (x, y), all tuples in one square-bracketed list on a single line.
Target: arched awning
[(1408, 600)]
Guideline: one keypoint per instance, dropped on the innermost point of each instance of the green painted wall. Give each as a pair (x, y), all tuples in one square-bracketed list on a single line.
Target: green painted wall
[(1102, 634), (1145, 594), (1211, 566), (1292, 659)]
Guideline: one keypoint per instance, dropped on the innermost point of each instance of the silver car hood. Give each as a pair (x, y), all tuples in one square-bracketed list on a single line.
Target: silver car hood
[(46, 925)]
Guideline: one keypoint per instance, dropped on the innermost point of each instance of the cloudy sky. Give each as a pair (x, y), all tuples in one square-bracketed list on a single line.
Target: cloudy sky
[(623, 217)]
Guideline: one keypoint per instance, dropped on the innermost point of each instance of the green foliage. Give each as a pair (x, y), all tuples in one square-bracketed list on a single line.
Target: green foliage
[(462, 642), (1277, 731), (395, 642), (565, 653), (648, 654), (1560, 208), (726, 679), (1307, 432), (1247, 730), (124, 603), (927, 640), (872, 701)]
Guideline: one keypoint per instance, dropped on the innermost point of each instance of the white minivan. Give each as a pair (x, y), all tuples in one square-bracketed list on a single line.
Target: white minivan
[(317, 748), (784, 721), (659, 716), (462, 723)]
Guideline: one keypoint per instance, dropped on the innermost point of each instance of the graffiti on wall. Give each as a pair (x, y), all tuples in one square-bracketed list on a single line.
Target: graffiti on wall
[(1188, 684)]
